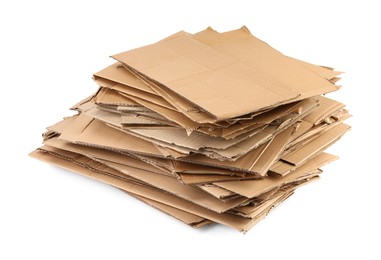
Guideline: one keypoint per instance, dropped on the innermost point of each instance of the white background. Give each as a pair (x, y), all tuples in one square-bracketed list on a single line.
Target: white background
[(48, 53)]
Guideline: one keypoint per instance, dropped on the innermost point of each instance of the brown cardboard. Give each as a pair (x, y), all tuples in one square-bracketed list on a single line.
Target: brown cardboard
[(281, 168), (254, 188), (207, 127), (174, 187), (326, 109), (273, 152), (230, 132), (237, 222), (305, 152), (210, 33), (181, 63), (111, 97), (169, 184), (117, 74), (83, 129), (217, 192), (106, 155), (130, 92), (184, 216), (150, 151), (211, 178)]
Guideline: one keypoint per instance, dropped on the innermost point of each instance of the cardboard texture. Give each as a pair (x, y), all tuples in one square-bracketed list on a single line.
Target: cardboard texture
[(207, 127)]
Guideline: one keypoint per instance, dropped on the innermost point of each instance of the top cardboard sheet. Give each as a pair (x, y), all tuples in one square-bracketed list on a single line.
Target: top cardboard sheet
[(225, 78)]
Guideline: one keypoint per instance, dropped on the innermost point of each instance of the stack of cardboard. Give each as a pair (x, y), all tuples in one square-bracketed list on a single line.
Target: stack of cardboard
[(207, 127)]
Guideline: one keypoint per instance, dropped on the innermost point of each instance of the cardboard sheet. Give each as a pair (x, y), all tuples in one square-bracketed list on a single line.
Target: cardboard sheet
[(181, 63), (254, 188)]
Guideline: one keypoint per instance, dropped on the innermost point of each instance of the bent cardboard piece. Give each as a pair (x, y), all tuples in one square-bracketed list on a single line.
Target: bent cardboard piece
[(237, 222), (305, 152), (273, 152), (117, 74), (133, 92), (189, 68), (253, 188)]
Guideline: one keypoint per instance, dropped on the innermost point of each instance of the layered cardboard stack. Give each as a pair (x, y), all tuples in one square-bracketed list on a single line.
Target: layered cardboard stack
[(207, 127)]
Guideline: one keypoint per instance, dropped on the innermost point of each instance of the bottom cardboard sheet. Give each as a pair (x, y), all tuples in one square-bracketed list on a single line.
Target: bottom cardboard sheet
[(186, 211)]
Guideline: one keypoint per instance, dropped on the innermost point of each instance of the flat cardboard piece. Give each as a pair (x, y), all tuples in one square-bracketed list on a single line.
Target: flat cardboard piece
[(305, 152), (189, 68), (254, 188)]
